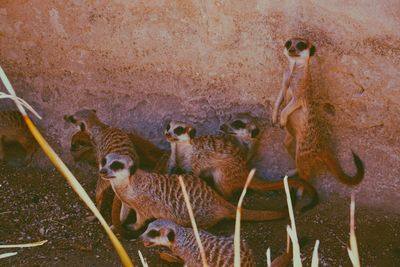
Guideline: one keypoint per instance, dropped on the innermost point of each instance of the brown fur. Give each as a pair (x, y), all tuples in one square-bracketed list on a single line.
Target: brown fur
[(219, 159), (154, 196), (14, 129), (104, 140), (307, 139), (219, 251)]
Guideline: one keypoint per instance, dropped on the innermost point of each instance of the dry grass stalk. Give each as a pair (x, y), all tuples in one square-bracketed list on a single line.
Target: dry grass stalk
[(315, 259), (268, 257), (142, 259), (8, 254), (236, 240), (353, 250), (291, 230), (63, 169), (27, 245), (193, 221)]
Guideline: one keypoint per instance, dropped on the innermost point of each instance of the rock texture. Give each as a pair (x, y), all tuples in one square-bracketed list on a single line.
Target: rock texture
[(141, 62)]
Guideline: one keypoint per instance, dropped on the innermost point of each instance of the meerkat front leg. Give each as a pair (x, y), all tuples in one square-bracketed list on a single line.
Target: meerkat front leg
[(125, 210), (289, 109), (279, 99), (140, 221)]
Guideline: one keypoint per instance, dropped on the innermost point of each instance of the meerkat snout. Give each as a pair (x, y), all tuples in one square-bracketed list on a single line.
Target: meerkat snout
[(116, 166)]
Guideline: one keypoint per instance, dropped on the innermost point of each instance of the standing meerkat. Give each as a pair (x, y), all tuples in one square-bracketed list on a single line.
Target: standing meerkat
[(14, 129), (307, 140), (219, 251), (156, 196), (218, 159)]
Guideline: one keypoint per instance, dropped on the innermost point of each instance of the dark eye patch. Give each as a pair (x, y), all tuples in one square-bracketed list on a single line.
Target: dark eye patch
[(255, 132), (168, 127), (153, 233), (103, 162), (116, 165), (238, 124), (288, 44), (179, 130), (301, 46)]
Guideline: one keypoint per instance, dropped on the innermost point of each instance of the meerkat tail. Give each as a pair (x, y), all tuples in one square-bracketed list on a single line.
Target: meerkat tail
[(334, 167), (264, 186)]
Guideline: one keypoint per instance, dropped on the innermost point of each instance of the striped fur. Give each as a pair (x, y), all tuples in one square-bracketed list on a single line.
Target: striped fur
[(181, 240), (218, 159)]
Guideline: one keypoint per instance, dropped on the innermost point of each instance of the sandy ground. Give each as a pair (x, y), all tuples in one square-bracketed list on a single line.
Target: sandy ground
[(37, 205)]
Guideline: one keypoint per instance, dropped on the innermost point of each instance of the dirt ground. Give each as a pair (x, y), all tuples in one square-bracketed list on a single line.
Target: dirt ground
[(37, 205)]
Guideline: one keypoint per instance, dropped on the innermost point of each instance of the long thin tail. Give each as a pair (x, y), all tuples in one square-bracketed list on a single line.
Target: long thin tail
[(334, 167), (264, 186)]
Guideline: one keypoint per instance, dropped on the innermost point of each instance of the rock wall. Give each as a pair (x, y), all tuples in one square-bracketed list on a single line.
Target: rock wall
[(141, 62)]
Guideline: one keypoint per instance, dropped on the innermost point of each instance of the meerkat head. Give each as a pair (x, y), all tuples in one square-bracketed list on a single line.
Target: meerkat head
[(117, 166), (243, 127), (176, 131), (298, 50), (159, 233), (81, 118)]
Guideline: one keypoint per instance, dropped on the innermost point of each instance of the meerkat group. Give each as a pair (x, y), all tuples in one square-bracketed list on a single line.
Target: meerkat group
[(144, 178)]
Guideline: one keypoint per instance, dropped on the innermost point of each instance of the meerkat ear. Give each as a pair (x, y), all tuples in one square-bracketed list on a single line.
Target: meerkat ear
[(192, 133), (82, 126), (171, 235), (94, 111), (312, 50)]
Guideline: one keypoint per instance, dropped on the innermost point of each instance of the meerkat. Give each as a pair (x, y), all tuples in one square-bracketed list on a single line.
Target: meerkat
[(259, 143), (219, 251), (243, 130), (82, 150), (104, 139), (218, 159), (14, 129), (307, 140), (156, 196)]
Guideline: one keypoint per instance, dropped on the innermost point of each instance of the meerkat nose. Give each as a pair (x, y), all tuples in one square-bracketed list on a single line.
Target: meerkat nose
[(103, 171)]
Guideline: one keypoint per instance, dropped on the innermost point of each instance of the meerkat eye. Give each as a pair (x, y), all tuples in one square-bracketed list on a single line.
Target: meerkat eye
[(179, 130), (301, 46), (288, 44), (116, 165), (238, 124), (153, 233), (168, 127), (255, 132), (103, 162)]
